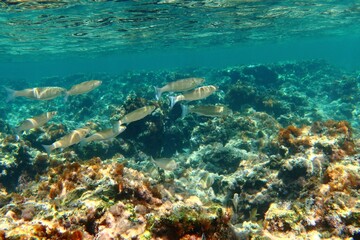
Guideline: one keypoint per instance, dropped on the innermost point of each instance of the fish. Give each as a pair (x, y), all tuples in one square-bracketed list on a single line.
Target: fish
[(207, 180), (167, 164), (137, 114), (38, 93), (206, 110), (83, 87), (68, 140), (180, 85), (196, 94), (104, 135), (34, 122)]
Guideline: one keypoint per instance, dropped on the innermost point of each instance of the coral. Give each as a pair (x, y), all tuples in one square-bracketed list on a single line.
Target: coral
[(281, 218), (185, 222), (262, 75), (242, 94), (291, 182), (28, 213), (342, 178), (97, 199), (292, 138), (220, 159), (338, 128)]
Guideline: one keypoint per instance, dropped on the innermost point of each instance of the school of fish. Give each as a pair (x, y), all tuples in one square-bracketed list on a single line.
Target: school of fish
[(187, 88)]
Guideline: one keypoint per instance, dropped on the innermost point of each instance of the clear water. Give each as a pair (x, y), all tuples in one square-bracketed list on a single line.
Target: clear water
[(39, 38), (133, 46)]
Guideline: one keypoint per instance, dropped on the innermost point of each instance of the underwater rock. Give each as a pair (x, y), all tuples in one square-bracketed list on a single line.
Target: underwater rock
[(328, 209), (262, 75), (4, 127), (98, 199), (293, 170), (220, 159)]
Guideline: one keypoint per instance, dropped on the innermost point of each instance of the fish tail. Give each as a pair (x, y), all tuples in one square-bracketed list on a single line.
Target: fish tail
[(116, 126), (17, 132), (184, 110), (172, 101), (10, 94), (158, 93), (48, 149), (66, 97)]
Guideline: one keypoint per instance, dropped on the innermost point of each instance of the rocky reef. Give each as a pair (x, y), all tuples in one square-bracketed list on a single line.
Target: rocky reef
[(105, 200), (285, 164)]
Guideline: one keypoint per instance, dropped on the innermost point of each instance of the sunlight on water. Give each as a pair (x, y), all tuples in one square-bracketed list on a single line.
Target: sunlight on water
[(92, 27)]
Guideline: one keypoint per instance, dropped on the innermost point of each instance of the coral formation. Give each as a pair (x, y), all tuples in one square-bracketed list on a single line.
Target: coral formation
[(284, 165), (106, 200)]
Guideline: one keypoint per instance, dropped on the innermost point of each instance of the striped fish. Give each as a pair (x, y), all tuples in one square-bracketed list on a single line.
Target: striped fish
[(68, 140)]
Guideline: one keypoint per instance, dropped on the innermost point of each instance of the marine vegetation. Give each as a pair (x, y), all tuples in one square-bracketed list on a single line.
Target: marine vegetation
[(265, 156)]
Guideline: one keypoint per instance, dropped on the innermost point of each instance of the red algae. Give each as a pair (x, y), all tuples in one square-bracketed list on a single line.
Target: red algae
[(292, 138), (342, 178), (338, 127)]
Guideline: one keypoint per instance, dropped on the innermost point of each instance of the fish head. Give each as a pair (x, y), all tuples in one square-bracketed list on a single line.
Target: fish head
[(214, 87), (97, 83), (51, 114), (152, 108)]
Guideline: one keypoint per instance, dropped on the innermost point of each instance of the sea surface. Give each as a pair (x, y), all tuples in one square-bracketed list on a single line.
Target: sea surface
[(282, 162)]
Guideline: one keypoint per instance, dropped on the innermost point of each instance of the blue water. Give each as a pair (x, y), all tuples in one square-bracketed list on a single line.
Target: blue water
[(277, 63), (43, 38), (342, 52)]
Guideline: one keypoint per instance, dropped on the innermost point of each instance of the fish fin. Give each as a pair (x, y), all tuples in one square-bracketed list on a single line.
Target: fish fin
[(17, 133), (172, 101), (157, 93), (48, 149), (118, 128), (10, 94), (16, 130), (184, 110)]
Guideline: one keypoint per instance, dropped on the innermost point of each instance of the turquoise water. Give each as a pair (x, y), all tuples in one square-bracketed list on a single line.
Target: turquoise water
[(341, 51), (288, 70), (138, 34)]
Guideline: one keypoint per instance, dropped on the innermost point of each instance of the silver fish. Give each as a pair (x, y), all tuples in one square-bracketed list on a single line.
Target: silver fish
[(206, 110), (38, 93), (104, 135), (70, 139), (166, 163), (136, 115), (34, 122), (83, 87), (179, 86), (196, 94)]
